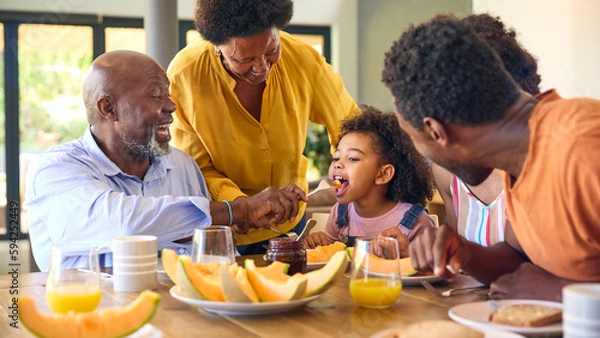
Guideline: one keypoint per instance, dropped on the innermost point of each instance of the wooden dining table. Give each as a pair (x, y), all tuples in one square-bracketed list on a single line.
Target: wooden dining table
[(334, 314)]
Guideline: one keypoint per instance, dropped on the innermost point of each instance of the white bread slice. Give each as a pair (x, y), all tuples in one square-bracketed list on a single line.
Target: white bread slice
[(526, 315), (436, 328)]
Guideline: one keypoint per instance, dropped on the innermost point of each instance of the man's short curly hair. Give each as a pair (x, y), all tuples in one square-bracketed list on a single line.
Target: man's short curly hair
[(412, 181), (442, 69), (220, 20), (521, 65)]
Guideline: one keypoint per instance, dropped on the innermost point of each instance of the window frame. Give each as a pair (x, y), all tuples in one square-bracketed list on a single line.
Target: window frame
[(11, 21)]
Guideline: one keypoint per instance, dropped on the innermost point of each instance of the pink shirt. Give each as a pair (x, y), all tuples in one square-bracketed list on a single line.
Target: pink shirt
[(362, 226)]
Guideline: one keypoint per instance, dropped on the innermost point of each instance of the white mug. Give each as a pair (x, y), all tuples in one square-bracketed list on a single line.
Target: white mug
[(581, 310), (134, 262)]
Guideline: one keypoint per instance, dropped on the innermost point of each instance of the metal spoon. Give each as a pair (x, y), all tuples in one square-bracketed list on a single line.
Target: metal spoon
[(309, 225)]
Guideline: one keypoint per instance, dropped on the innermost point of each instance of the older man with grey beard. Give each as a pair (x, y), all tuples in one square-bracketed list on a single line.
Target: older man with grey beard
[(121, 177)]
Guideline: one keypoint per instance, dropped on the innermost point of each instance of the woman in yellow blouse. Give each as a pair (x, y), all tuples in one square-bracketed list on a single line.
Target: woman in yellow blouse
[(244, 97)]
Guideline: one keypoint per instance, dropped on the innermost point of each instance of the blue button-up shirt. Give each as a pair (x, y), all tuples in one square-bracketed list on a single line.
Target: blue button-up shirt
[(78, 199)]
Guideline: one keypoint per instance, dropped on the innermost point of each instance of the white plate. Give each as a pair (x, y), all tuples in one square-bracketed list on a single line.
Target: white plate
[(477, 315), (486, 334), (416, 280), (229, 308)]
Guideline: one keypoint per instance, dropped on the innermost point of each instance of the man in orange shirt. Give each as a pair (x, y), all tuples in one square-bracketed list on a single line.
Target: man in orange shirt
[(464, 112)]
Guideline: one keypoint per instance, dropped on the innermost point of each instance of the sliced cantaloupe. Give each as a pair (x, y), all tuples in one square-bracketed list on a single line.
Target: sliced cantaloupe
[(350, 252), (274, 267), (108, 322), (194, 283), (389, 266), (275, 286), (236, 286), (406, 268), (208, 268), (318, 281), (324, 253), (169, 261)]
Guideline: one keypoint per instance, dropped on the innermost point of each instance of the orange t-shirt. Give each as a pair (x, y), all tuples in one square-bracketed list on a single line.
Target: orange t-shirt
[(554, 205)]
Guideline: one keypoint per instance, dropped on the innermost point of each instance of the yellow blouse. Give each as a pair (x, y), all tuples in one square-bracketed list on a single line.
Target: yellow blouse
[(238, 155)]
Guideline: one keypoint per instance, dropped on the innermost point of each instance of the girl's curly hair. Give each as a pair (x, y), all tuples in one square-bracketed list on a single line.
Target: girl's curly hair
[(220, 20), (412, 181)]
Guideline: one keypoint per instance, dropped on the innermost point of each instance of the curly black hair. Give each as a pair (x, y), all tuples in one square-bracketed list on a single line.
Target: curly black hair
[(412, 181), (521, 65), (442, 69), (219, 20)]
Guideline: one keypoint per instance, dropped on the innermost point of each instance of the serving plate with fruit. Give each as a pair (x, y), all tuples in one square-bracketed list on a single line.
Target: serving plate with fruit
[(248, 289)]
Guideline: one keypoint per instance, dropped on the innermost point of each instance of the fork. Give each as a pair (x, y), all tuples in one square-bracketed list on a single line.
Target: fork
[(323, 185), (449, 292)]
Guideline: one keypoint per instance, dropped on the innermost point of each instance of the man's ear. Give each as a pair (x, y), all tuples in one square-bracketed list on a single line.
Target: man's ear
[(436, 131), (385, 175), (106, 107)]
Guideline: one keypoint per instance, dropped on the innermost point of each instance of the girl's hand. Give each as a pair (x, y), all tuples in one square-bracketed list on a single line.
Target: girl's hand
[(403, 242), (316, 239)]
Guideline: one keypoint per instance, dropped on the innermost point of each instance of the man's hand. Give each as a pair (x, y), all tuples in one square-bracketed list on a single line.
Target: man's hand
[(274, 206), (403, 242), (529, 282), (316, 239), (435, 248)]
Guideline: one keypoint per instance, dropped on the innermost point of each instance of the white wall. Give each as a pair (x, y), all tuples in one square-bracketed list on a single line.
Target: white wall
[(381, 22), (562, 34), (340, 14)]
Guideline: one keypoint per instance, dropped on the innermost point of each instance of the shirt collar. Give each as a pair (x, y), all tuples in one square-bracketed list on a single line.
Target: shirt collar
[(159, 166)]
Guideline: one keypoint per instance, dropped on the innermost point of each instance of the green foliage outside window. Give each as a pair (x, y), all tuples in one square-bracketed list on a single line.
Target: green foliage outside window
[(43, 78), (318, 149)]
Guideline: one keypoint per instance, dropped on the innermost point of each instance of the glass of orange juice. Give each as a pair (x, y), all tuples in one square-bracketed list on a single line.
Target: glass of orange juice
[(69, 289), (375, 280)]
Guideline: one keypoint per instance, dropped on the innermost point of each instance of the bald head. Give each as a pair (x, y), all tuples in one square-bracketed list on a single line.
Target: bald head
[(113, 74)]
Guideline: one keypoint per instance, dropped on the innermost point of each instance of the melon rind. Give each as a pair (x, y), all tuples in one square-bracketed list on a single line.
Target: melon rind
[(322, 279), (103, 323)]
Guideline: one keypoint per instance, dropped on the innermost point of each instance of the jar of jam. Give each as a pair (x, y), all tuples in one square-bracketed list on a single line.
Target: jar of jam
[(287, 250)]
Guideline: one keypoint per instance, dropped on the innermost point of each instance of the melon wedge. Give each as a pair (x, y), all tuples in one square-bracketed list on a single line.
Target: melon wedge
[(236, 286), (324, 253), (169, 261), (275, 286), (406, 268), (389, 266), (274, 267), (195, 283), (109, 322), (322, 279)]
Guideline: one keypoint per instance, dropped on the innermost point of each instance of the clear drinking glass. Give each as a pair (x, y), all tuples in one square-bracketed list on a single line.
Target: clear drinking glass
[(213, 245), (69, 289), (375, 280)]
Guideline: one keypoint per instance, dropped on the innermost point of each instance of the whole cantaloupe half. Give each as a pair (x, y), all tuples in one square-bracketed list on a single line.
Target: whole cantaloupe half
[(108, 322)]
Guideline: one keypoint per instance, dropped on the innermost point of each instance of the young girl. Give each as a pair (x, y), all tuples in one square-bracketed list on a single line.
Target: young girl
[(385, 183)]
